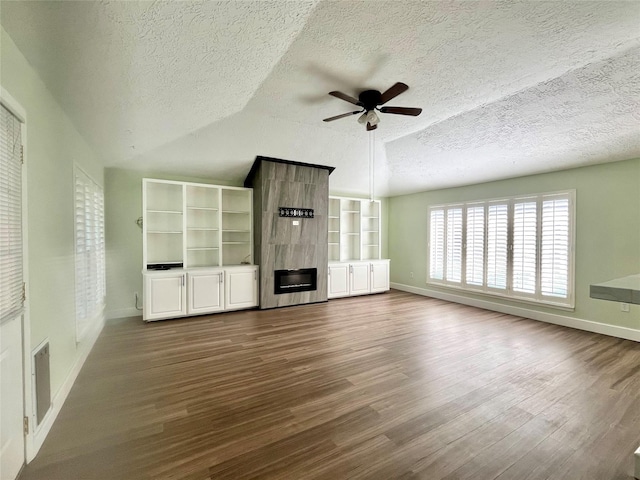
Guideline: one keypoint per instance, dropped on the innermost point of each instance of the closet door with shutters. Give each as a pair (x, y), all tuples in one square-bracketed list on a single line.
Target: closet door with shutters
[(11, 296)]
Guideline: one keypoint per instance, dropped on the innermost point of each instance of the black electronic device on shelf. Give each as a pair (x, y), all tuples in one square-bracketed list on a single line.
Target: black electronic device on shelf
[(163, 266)]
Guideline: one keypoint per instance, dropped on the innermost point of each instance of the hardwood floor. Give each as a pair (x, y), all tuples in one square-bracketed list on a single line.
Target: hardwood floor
[(392, 386)]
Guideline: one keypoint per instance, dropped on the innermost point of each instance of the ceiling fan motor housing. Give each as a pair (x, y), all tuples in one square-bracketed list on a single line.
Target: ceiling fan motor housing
[(370, 99)]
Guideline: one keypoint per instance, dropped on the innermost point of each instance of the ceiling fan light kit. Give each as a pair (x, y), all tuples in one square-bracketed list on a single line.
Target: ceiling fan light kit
[(369, 100), (372, 118)]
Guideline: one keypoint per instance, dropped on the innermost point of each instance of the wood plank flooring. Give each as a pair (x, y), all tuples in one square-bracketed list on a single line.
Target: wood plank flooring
[(391, 386)]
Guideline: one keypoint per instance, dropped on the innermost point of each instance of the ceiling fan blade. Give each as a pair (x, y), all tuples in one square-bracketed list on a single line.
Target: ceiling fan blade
[(345, 97), (331, 119), (414, 112), (371, 127), (393, 92)]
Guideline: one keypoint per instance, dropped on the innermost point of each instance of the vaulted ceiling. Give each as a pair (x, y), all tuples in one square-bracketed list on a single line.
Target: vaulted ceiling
[(202, 87)]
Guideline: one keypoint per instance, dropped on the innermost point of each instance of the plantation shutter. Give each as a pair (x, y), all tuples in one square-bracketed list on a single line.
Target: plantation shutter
[(454, 245), (524, 246), (11, 293), (90, 263), (517, 247), (554, 261), (497, 241), (436, 257), (475, 245)]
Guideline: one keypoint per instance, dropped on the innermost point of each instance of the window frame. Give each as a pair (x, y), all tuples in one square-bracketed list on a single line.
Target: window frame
[(536, 297)]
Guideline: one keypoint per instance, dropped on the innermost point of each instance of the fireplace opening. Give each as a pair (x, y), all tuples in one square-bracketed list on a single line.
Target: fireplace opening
[(301, 280)]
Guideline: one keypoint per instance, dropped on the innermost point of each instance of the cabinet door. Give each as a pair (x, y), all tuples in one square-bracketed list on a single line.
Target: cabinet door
[(359, 278), (164, 296), (379, 277), (241, 288), (338, 281), (205, 292)]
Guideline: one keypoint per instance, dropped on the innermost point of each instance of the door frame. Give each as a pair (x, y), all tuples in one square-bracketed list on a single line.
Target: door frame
[(11, 104)]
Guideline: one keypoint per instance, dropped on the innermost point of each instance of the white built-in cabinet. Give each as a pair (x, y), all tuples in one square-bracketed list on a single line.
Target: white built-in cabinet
[(355, 263), (197, 291), (357, 278), (206, 291), (379, 276), (204, 234), (241, 288), (164, 295)]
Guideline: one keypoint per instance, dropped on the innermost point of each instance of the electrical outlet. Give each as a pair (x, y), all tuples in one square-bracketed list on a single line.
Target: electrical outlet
[(624, 307), (411, 274)]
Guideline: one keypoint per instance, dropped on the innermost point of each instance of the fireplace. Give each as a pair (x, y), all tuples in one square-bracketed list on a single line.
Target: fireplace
[(301, 280), (283, 244)]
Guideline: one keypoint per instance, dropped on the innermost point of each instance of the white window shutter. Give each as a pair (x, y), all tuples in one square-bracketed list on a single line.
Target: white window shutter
[(11, 265), (436, 239), (554, 261), (497, 242), (516, 247), (90, 251), (525, 247), (475, 246), (454, 245)]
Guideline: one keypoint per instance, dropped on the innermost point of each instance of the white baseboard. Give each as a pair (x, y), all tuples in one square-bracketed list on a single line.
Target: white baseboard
[(36, 438), (580, 324), (123, 313)]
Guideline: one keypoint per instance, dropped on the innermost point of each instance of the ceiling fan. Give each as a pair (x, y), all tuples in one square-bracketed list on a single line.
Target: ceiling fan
[(369, 100)]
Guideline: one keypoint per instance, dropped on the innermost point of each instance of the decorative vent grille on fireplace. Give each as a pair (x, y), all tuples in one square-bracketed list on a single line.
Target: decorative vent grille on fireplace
[(290, 281)]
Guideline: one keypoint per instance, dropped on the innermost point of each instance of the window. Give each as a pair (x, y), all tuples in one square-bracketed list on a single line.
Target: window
[(90, 263), (11, 293), (519, 247)]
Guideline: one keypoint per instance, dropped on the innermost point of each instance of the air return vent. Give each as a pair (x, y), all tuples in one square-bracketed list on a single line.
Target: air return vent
[(42, 381)]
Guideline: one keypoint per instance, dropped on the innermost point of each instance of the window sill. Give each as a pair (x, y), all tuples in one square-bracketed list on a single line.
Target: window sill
[(524, 300)]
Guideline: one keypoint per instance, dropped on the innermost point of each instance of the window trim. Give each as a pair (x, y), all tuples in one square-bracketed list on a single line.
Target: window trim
[(509, 293)]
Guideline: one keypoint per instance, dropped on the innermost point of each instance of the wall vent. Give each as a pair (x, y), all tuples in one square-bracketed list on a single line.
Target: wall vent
[(42, 376)]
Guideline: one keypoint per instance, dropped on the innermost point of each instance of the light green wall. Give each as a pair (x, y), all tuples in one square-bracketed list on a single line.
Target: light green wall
[(607, 232), (52, 146), (123, 206)]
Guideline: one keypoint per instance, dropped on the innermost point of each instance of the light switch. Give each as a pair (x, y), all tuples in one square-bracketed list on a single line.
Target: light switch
[(296, 222)]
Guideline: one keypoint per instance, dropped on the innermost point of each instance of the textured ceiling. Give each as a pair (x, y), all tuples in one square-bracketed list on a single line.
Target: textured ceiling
[(507, 89)]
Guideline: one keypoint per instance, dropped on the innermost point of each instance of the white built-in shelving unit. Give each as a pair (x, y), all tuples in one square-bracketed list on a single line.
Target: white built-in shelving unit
[(197, 225), (203, 234), (355, 263), (354, 229)]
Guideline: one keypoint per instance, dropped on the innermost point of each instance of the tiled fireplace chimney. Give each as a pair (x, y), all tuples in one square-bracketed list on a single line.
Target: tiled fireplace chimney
[(290, 208)]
